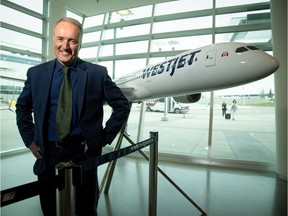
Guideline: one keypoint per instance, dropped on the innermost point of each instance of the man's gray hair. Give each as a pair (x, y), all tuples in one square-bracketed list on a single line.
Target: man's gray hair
[(74, 22)]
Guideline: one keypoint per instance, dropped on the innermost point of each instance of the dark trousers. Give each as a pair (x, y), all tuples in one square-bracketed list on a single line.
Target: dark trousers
[(86, 195)]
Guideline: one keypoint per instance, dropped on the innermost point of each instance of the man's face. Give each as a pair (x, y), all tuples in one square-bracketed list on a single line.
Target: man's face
[(66, 42)]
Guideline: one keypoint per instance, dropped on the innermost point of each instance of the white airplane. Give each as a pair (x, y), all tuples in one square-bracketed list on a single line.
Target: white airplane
[(209, 68), (185, 76)]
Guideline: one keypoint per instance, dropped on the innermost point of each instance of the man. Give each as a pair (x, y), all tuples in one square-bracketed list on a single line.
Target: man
[(224, 108), (91, 87)]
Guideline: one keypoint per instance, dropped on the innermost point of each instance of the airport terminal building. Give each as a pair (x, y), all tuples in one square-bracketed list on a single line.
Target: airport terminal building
[(209, 163)]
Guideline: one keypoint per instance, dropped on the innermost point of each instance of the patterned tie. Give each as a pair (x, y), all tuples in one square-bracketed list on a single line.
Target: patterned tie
[(64, 107)]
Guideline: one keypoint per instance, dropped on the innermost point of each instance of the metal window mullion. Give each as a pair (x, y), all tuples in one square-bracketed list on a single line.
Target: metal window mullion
[(45, 31)]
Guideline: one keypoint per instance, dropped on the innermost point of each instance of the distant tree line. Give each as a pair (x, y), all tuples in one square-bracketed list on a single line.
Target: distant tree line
[(263, 95)]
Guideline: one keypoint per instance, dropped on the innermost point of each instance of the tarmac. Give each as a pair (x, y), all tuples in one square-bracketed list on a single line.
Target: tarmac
[(250, 137)]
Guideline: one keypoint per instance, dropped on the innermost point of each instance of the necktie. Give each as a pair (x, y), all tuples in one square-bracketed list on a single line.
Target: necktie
[(64, 107)]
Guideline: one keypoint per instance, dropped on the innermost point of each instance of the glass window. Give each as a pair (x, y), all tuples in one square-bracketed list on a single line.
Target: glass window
[(181, 6), (109, 66), (14, 66), (180, 43), (254, 88), (156, 60), (35, 5), (20, 19), (141, 12), (132, 47), (249, 133), (20, 41), (241, 49), (108, 34), (90, 52), (18, 58), (183, 24), (131, 14), (226, 3), (123, 67), (242, 18), (253, 36), (262, 36), (90, 37), (106, 50), (133, 30), (183, 134), (10, 137), (75, 16), (93, 21)]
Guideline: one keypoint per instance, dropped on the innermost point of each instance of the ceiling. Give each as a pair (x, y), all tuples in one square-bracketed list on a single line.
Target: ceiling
[(95, 7)]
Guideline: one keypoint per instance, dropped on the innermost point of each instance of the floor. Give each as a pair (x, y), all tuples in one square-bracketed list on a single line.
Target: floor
[(217, 191)]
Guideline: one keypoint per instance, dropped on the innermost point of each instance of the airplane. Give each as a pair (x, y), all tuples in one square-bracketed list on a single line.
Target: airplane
[(209, 68), (185, 76)]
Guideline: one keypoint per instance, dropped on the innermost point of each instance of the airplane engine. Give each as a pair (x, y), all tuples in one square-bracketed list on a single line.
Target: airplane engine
[(193, 98)]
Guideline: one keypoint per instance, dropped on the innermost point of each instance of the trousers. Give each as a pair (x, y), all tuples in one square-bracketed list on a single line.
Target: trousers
[(87, 194)]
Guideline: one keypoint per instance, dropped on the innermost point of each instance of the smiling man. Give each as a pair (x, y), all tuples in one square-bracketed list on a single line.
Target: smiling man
[(67, 41), (79, 89)]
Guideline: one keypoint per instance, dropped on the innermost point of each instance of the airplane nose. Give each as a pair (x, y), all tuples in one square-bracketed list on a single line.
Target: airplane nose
[(256, 65), (273, 65), (270, 64)]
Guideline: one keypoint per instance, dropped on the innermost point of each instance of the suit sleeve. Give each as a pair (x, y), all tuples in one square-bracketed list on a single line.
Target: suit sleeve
[(24, 111), (120, 106)]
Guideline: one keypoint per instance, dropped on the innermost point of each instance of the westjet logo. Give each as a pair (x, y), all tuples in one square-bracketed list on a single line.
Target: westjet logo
[(170, 65)]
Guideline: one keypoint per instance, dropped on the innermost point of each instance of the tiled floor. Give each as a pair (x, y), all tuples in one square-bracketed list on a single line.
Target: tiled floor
[(218, 191)]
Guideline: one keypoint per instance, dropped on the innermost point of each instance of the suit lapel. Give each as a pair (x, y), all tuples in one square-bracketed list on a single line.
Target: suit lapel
[(45, 82), (81, 84)]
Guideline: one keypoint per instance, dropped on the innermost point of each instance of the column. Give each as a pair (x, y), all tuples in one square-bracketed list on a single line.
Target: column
[(279, 36)]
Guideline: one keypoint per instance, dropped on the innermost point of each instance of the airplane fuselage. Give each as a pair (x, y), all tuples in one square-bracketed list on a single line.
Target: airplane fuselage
[(208, 68)]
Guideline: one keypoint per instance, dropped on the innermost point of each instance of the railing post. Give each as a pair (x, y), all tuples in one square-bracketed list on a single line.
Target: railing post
[(66, 197), (153, 171)]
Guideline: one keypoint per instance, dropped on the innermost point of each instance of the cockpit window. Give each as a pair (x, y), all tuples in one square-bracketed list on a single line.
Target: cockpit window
[(241, 49), (252, 48)]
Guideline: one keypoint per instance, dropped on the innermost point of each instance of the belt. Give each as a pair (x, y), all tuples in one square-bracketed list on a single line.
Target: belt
[(72, 140)]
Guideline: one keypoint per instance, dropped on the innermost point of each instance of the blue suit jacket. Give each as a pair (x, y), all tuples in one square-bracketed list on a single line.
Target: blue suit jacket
[(94, 87)]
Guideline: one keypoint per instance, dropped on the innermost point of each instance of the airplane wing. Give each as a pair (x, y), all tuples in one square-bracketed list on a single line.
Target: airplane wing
[(127, 90)]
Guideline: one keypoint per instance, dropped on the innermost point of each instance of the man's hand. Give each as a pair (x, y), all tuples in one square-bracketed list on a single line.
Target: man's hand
[(35, 149)]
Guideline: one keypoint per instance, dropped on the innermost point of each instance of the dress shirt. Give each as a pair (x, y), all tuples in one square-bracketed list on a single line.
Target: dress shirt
[(57, 80)]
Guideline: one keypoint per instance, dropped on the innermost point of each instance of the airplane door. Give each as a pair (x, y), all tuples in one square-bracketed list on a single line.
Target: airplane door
[(210, 58)]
